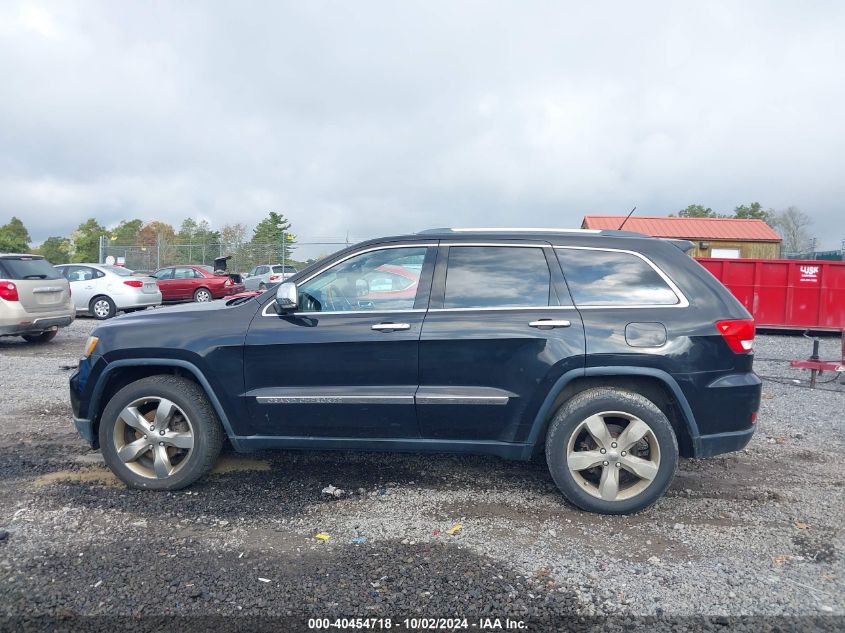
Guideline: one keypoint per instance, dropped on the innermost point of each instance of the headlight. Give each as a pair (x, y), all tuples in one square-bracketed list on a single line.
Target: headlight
[(90, 344)]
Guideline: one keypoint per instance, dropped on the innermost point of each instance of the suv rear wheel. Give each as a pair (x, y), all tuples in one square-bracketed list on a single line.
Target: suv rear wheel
[(611, 451), (160, 433)]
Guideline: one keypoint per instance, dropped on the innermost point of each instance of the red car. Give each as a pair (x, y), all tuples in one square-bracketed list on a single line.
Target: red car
[(195, 283)]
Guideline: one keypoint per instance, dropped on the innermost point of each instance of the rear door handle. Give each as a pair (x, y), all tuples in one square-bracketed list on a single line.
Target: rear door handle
[(390, 327), (548, 324)]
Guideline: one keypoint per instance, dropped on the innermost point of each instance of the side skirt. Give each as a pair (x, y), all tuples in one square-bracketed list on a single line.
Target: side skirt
[(506, 450)]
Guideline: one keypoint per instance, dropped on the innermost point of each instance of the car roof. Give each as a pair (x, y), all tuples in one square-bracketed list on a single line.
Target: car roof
[(21, 255)]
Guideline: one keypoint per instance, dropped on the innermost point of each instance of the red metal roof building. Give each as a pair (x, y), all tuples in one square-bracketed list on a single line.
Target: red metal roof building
[(712, 237)]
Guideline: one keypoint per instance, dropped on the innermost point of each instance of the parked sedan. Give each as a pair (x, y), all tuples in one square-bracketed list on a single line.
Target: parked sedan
[(194, 283), (266, 275), (102, 291)]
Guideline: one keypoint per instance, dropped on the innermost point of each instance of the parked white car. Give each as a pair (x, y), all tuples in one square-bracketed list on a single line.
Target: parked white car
[(266, 275), (102, 291)]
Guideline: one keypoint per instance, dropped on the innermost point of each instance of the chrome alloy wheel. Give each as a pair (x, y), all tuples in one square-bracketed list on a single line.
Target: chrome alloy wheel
[(101, 308), (613, 455), (153, 437), (202, 295)]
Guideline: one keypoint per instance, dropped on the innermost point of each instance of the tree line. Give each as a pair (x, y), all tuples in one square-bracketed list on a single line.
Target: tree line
[(83, 244), (791, 223)]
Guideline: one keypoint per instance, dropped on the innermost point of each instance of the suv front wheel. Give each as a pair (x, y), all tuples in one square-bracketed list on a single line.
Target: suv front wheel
[(611, 451), (160, 433)]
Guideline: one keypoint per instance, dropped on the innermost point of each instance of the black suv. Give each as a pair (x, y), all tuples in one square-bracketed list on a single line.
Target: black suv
[(611, 351)]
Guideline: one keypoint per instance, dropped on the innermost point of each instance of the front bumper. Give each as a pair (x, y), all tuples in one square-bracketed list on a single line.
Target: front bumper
[(85, 428), (80, 383)]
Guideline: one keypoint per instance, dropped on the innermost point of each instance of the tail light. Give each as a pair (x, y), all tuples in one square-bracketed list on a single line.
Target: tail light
[(134, 283), (275, 277), (738, 334), (8, 291)]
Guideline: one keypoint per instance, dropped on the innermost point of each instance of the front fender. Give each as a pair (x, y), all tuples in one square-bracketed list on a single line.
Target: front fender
[(108, 370)]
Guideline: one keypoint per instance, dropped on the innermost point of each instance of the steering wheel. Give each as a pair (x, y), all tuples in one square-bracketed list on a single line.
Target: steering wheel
[(335, 296)]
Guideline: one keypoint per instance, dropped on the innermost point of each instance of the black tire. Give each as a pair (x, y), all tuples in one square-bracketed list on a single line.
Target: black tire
[(577, 488), (208, 434), (43, 337), (102, 307), (200, 294)]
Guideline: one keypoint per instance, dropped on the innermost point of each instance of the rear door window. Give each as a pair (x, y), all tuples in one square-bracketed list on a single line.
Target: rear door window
[(613, 278), (496, 277), (27, 268)]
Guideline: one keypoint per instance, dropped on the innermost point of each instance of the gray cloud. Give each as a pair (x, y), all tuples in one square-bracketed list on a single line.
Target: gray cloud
[(382, 117)]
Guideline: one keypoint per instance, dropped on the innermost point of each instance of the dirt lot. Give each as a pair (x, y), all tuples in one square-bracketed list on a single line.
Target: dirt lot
[(757, 533)]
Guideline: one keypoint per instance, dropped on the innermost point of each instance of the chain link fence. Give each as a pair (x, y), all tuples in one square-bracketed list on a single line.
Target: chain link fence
[(243, 257)]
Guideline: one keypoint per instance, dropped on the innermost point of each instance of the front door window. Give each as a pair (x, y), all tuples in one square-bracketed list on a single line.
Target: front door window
[(380, 280)]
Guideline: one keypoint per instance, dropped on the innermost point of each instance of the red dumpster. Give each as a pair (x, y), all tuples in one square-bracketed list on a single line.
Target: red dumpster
[(786, 293)]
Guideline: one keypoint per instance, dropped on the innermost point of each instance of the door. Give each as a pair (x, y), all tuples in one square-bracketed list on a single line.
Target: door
[(166, 283), (346, 364), (185, 281), (500, 330), (83, 284)]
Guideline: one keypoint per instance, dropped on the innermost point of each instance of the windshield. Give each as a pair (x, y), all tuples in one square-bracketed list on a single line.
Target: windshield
[(118, 270), (208, 269), (27, 267)]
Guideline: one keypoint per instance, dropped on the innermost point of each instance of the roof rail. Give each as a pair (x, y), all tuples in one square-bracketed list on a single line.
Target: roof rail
[(507, 230)]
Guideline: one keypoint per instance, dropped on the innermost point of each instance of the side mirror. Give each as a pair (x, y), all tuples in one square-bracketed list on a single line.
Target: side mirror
[(287, 297)]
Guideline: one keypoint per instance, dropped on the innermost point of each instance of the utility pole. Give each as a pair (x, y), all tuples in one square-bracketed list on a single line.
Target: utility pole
[(158, 251), (284, 239)]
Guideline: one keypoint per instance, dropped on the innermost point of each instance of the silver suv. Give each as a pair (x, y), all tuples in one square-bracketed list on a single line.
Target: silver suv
[(266, 275), (34, 298)]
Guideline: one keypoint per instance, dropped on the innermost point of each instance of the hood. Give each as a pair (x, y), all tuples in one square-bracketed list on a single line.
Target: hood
[(176, 331)]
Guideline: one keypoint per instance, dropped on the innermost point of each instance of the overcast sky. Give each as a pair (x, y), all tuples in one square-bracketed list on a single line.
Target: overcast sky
[(375, 118)]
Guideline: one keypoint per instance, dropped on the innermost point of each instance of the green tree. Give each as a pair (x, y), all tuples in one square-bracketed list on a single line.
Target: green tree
[(754, 211), (268, 234), (86, 241), (55, 250), (14, 238), (697, 211), (126, 233)]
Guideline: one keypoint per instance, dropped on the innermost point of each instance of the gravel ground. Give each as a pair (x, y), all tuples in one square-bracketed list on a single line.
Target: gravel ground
[(756, 533)]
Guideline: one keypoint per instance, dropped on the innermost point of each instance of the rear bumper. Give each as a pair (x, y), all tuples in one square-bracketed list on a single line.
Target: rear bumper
[(140, 300), (725, 410), (227, 291), (710, 445), (35, 325)]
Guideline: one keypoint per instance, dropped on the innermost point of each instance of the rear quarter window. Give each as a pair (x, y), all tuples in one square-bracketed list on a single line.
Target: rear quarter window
[(27, 268), (613, 278)]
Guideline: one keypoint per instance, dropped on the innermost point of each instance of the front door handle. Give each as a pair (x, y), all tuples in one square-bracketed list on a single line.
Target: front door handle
[(548, 324), (390, 327)]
